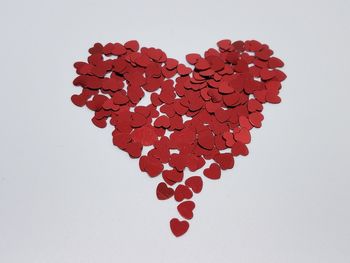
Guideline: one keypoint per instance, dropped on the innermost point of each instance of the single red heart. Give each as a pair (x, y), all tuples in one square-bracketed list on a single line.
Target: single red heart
[(164, 192), (213, 171), (186, 209), (196, 114), (245, 123), (242, 135), (256, 118), (178, 227)]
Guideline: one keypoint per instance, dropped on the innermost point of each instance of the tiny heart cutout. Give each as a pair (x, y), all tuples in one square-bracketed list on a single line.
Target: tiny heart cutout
[(213, 171), (178, 227), (197, 113), (186, 209), (164, 192)]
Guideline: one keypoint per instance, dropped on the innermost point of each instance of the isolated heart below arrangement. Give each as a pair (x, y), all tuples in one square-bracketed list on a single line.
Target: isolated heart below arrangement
[(199, 117)]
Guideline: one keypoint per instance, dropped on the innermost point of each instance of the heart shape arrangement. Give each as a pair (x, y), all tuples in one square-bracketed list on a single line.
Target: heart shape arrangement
[(198, 115)]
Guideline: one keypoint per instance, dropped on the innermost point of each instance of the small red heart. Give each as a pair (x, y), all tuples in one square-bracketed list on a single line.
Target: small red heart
[(242, 135), (132, 45), (256, 118), (164, 192), (244, 122), (134, 149), (151, 165), (162, 122), (183, 70), (100, 123), (79, 100), (178, 227), (186, 209), (224, 44), (228, 137), (195, 183), (272, 97), (202, 64), (239, 148), (267, 74), (254, 105), (192, 58), (213, 172), (226, 88), (275, 62)]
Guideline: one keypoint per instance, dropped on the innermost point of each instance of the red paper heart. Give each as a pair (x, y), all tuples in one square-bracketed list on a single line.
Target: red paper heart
[(196, 114), (164, 192), (178, 227), (213, 171), (186, 209)]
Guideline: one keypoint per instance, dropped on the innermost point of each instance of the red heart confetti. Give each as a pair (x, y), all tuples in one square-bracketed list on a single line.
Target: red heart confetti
[(186, 209), (178, 227), (213, 171), (197, 114), (164, 192)]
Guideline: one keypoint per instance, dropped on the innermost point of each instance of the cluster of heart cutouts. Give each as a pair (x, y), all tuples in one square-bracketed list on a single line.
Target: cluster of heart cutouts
[(199, 116)]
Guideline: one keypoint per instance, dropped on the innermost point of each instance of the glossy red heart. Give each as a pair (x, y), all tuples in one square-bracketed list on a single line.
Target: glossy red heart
[(164, 192), (192, 113), (213, 171), (178, 227), (186, 209)]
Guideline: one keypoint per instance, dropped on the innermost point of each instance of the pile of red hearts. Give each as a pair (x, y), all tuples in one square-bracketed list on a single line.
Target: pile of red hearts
[(196, 114)]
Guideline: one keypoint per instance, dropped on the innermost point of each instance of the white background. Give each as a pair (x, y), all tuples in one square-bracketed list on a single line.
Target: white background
[(67, 195)]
